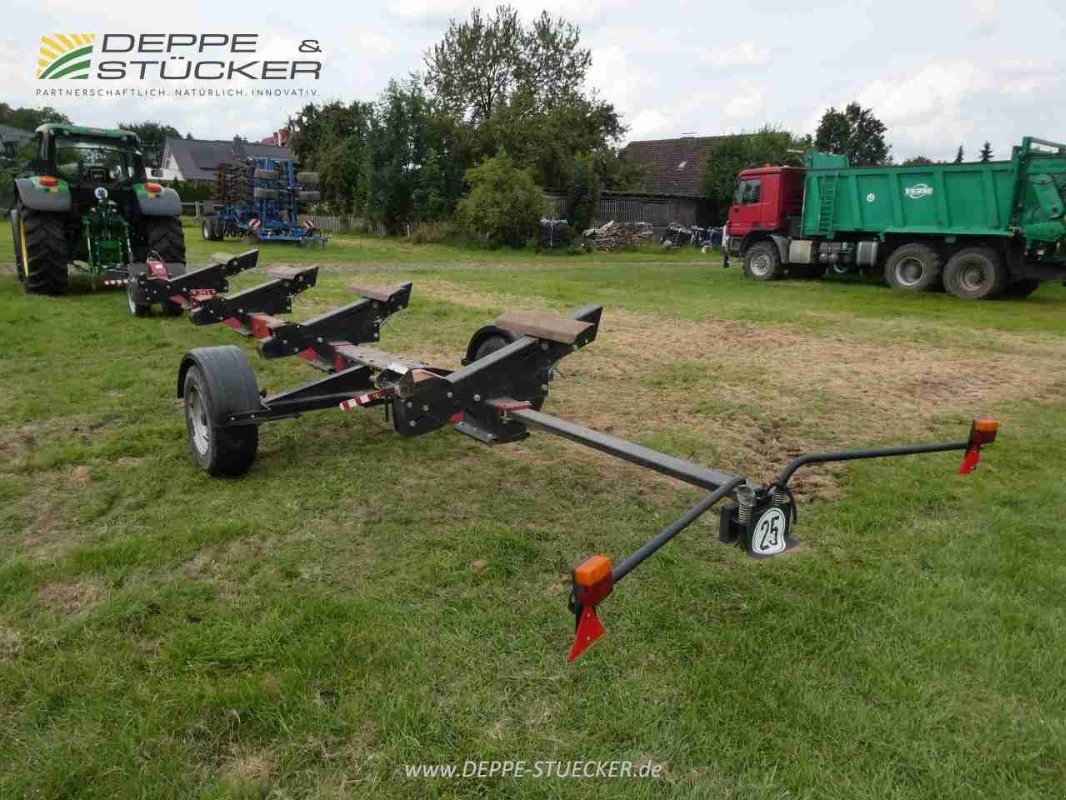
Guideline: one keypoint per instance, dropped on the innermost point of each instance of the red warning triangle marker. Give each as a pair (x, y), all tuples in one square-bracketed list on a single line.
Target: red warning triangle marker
[(589, 629), (971, 460)]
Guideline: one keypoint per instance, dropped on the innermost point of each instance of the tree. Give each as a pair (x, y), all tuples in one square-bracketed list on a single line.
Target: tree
[(728, 155), (505, 204), (153, 136), (29, 119), (484, 63), (332, 140), (986, 153), (918, 161), (583, 198), (854, 132), (959, 155)]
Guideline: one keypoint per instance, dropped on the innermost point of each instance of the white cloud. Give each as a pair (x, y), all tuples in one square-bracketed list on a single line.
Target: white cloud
[(746, 105), (648, 124), (620, 82), (739, 55), (924, 108), (985, 14)]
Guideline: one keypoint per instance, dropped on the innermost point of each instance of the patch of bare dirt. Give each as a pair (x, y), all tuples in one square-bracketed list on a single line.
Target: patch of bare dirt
[(70, 598), (760, 394), (11, 642)]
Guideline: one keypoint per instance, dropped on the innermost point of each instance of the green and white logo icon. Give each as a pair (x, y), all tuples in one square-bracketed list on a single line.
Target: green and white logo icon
[(65, 55)]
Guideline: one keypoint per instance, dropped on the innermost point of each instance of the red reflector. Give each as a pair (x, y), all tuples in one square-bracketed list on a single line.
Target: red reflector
[(455, 418), (589, 629), (153, 188), (47, 180)]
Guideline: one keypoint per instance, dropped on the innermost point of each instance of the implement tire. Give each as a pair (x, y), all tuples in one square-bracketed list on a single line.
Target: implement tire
[(913, 267), (975, 273), (44, 254), (164, 235), (762, 262), (217, 382)]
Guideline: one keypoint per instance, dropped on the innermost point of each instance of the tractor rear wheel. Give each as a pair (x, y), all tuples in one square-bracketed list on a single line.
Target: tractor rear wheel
[(42, 251), (16, 243), (164, 236)]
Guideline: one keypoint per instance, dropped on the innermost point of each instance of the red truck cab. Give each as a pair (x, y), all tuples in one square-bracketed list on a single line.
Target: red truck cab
[(765, 199)]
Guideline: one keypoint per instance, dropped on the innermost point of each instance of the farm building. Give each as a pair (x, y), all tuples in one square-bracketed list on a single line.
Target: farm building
[(197, 159), (673, 186)]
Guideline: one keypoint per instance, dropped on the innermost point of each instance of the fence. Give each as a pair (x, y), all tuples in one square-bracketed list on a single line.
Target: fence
[(659, 211)]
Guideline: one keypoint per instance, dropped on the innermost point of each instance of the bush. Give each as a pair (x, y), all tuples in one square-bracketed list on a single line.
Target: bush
[(504, 205), (584, 195)]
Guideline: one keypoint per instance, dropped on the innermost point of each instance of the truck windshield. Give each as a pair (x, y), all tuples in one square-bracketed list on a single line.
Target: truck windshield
[(93, 161)]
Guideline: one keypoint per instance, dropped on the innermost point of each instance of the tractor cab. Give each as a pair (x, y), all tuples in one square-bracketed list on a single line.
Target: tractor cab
[(88, 159)]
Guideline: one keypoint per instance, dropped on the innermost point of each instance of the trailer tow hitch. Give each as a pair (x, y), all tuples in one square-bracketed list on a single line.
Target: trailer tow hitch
[(760, 520)]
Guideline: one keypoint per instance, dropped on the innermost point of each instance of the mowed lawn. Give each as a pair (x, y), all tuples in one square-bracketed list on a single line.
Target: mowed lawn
[(361, 602)]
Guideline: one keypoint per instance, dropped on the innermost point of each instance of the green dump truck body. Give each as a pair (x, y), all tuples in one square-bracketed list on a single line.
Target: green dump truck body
[(997, 198)]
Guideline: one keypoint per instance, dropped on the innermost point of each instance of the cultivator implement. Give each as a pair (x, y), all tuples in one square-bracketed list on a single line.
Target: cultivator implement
[(495, 397)]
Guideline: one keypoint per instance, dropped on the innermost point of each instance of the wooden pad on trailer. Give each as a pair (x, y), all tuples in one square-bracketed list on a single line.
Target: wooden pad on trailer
[(382, 294), (544, 326), (285, 273)]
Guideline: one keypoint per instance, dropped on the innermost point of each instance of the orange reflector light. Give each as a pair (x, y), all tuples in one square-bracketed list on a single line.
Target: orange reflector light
[(983, 431), (153, 188), (47, 180), (592, 570)]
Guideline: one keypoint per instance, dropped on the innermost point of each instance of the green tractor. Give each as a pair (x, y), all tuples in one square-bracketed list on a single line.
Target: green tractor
[(86, 200)]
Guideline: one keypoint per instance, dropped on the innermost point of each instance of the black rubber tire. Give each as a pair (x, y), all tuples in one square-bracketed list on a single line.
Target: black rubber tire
[(136, 307), (497, 342), (164, 235), (46, 253), (16, 243), (307, 178), (260, 193), (1022, 288), (262, 174), (762, 262), (914, 267), (310, 197), (975, 273), (209, 230), (220, 382), (172, 309)]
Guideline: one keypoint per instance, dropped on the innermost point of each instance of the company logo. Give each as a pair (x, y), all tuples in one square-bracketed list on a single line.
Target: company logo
[(918, 191), (65, 55)]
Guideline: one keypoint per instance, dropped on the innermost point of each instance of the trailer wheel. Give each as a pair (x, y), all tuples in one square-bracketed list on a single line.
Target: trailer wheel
[(975, 273), (913, 267), (497, 341), (217, 383), (133, 300), (43, 251), (762, 262)]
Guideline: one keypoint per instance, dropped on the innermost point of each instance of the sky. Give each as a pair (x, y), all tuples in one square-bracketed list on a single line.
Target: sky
[(938, 73)]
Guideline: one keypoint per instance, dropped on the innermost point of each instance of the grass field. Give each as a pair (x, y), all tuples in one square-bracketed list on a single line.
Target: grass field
[(361, 602)]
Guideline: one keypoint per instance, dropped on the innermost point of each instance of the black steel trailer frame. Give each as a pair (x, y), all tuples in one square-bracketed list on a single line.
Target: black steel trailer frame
[(494, 398), (172, 287)]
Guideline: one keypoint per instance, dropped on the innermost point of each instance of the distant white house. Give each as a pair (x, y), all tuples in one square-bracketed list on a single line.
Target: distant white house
[(197, 159)]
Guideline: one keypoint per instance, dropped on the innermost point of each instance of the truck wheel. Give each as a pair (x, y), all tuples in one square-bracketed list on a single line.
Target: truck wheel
[(43, 246), (165, 236), (914, 267), (220, 382), (762, 262), (209, 230), (1022, 288), (975, 273)]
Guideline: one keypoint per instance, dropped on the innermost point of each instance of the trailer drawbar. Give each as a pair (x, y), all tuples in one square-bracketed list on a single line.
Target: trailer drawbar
[(495, 397)]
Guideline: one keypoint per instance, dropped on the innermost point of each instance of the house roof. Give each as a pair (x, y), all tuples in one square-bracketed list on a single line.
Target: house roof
[(197, 159), (674, 167), (9, 133)]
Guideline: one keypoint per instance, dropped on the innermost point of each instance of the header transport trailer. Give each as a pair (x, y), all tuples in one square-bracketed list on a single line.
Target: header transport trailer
[(978, 229)]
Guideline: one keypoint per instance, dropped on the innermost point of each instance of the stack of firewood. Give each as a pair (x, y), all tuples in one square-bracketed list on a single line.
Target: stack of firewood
[(617, 235)]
